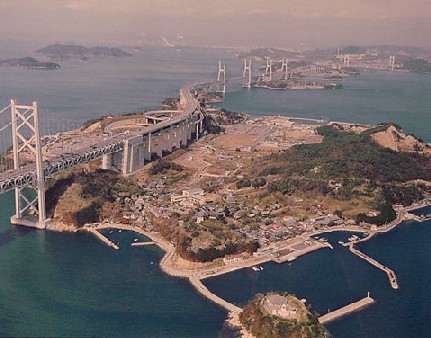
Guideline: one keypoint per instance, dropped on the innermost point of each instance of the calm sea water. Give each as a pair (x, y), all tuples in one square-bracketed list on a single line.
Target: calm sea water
[(72, 285)]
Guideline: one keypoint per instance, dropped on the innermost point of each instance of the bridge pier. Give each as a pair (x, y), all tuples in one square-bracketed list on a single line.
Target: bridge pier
[(107, 162), (29, 210)]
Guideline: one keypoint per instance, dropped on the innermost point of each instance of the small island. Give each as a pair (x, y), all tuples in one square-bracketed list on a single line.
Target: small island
[(29, 62), (280, 315), (78, 52)]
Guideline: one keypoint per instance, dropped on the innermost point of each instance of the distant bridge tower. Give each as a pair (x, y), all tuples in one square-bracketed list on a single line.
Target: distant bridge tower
[(268, 68), (346, 60), (284, 68), (221, 78), (246, 75), (392, 62), (25, 136)]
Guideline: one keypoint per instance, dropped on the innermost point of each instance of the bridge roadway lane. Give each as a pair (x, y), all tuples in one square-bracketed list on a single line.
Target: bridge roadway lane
[(26, 175)]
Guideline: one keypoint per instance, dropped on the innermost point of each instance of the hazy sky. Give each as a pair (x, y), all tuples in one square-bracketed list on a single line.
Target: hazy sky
[(276, 23)]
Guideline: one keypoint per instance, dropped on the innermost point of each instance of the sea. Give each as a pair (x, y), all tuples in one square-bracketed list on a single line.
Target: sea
[(72, 285)]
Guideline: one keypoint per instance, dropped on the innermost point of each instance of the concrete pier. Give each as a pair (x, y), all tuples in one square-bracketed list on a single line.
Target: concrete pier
[(372, 261), (142, 243), (103, 238), (346, 310)]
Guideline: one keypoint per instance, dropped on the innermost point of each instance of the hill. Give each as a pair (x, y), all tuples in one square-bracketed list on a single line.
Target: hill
[(350, 166), (280, 315), (29, 62), (60, 51)]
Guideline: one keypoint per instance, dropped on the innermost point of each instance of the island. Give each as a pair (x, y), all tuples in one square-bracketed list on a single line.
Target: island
[(280, 315), (29, 62), (78, 52), (249, 191)]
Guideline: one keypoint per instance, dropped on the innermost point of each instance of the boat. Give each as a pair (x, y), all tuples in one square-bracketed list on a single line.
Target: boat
[(255, 268), (353, 238)]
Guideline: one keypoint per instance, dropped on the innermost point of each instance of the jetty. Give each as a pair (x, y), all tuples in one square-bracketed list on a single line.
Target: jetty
[(391, 274), (142, 243), (330, 316), (100, 236), (196, 282)]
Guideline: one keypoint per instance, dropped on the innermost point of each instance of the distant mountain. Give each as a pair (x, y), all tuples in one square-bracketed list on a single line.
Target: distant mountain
[(29, 62), (59, 51), (273, 53)]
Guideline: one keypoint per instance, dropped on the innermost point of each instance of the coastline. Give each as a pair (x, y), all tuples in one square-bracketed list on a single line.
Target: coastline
[(174, 265)]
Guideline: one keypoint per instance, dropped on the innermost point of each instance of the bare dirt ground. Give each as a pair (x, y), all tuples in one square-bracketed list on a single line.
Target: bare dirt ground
[(227, 155)]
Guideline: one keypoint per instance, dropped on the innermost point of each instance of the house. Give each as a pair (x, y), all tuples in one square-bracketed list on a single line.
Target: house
[(189, 197), (200, 216), (280, 306), (229, 259)]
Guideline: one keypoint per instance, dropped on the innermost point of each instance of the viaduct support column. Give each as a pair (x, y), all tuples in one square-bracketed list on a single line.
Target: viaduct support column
[(107, 162), (127, 158)]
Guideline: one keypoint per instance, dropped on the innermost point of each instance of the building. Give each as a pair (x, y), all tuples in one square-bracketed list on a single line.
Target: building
[(229, 259), (280, 306), (192, 196)]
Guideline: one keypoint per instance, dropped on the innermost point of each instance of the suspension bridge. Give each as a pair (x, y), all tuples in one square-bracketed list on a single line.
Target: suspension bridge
[(27, 160), (23, 168)]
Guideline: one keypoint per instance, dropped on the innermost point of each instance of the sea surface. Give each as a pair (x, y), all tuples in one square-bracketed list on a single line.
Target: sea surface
[(55, 284)]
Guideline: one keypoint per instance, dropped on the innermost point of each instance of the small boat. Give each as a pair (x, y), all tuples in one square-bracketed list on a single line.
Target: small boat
[(353, 238), (255, 268)]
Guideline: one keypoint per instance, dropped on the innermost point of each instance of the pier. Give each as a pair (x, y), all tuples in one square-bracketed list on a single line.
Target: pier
[(372, 261), (346, 309), (142, 243), (103, 238)]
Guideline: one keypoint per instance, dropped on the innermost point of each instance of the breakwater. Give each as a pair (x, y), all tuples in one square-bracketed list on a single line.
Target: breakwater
[(391, 274), (333, 315)]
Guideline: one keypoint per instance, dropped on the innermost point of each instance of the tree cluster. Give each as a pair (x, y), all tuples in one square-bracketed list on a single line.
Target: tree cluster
[(210, 125), (162, 166), (261, 324), (358, 164)]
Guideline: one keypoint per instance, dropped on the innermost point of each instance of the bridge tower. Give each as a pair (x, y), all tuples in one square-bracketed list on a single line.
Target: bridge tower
[(26, 137), (284, 68), (268, 68), (346, 60), (246, 75), (391, 62), (221, 78)]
